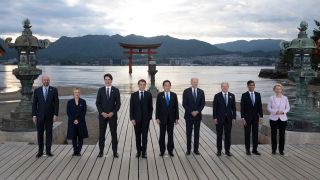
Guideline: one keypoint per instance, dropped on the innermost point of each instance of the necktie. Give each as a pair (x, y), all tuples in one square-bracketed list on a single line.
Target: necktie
[(226, 99), (45, 93), (167, 99), (194, 95), (141, 96), (108, 94), (252, 99)]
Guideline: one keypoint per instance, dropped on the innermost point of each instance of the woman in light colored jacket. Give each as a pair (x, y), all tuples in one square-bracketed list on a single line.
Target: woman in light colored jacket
[(278, 106)]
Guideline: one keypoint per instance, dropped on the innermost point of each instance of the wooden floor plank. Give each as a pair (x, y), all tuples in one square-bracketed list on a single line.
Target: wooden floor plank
[(36, 164), (18, 161), (82, 161)]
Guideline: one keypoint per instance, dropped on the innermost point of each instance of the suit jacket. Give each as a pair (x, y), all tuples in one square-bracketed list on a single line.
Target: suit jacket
[(163, 113), (190, 105), (78, 113), (220, 110), (108, 105), (248, 110), (42, 108), (141, 110)]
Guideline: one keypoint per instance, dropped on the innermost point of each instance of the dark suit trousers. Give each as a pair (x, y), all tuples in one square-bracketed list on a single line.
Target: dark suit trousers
[(141, 131), (45, 125), (102, 133), (225, 126), (252, 126), (166, 127), (275, 125), (193, 124), (77, 141)]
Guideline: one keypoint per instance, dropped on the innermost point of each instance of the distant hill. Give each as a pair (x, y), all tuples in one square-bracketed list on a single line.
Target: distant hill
[(266, 45), (104, 46)]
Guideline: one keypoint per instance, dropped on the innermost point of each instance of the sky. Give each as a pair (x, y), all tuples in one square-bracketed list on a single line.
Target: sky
[(212, 21)]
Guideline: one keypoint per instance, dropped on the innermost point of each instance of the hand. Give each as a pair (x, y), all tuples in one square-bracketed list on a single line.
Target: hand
[(34, 119), (158, 121), (133, 122), (105, 115), (215, 121), (55, 118), (244, 122), (76, 122), (194, 113), (110, 114), (177, 121)]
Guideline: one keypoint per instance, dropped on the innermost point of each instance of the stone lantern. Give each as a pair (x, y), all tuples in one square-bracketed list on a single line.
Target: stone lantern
[(303, 116), (152, 71), (26, 46)]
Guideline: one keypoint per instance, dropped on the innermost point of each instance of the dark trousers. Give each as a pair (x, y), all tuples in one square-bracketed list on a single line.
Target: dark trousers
[(166, 127), (275, 125), (102, 133), (141, 131), (252, 126), (225, 126), (45, 125), (77, 140), (193, 124)]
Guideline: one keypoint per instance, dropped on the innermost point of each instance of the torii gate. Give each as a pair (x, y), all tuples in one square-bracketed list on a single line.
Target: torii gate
[(139, 49), (2, 51)]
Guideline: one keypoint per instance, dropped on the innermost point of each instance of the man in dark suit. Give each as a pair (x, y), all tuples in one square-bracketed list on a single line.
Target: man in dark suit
[(141, 108), (193, 103), (167, 114), (251, 111), (45, 109), (108, 104), (224, 113)]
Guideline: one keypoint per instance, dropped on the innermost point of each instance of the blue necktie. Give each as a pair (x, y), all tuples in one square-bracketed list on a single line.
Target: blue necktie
[(108, 94), (194, 96), (252, 99), (226, 99), (167, 99), (45, 93)]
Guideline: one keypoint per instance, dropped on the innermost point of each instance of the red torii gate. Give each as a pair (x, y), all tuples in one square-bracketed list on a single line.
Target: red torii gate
[(2, 51), (139, 49)]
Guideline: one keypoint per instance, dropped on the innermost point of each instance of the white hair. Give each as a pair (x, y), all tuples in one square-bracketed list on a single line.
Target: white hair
[(225, 83)]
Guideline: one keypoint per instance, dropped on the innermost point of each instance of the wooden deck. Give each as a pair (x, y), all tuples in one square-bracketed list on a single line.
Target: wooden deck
[(19, 162)]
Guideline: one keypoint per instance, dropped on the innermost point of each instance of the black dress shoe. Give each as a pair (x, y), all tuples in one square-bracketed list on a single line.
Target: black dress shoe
[(137, 155), (144, 155), (161, 154), (115, 155), (78, 154), (196, 152), (171, 154), (74, 154), (256, 153), (219, 153), (100, 154), (228, 154), (281, 153), (248, 153), (49, 154), (273, 152), (39, 155), (188, 153)]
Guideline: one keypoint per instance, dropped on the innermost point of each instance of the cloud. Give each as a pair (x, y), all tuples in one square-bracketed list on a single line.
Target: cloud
[(213, 21)]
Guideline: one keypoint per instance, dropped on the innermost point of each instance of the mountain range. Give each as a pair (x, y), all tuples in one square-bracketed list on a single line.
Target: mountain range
[(105, 46)]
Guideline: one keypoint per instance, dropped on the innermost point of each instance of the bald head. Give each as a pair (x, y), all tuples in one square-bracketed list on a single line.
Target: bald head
[(45, 80), (225, 86), (194, 82)]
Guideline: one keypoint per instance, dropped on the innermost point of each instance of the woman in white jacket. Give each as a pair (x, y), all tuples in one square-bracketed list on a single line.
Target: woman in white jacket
[(278, 106)]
